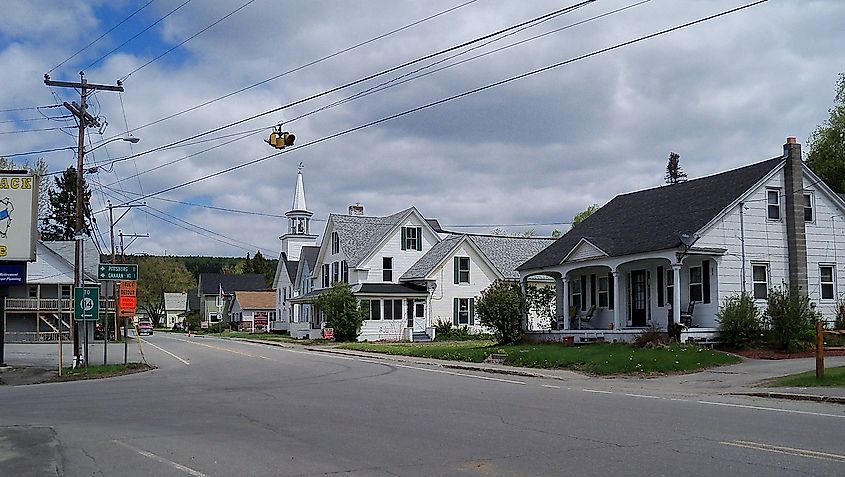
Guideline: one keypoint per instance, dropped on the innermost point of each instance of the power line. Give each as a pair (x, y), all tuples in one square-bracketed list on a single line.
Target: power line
[(137, 35), (100, 37), (187, 40), (456, 96), (9, 110), (311, 63), (364, 79), (32, 130)]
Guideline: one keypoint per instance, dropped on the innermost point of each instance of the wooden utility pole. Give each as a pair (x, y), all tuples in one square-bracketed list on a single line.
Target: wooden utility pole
[(112, 223), (84, 120)]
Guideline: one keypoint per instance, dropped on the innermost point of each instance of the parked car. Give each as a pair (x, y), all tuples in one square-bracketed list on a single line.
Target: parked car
[(145, 327)]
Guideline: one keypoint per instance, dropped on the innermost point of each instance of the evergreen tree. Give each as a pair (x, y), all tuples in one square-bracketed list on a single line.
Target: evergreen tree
[(61, 223), (674, 172)]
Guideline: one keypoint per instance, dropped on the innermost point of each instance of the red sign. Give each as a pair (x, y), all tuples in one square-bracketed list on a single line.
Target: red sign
[(328, 333), (260, 318), (128, 302)]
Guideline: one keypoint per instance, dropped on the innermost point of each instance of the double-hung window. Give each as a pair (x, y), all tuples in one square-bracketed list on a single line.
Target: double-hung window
[(387, 269), (576, 294), (773, 204), (604, 287), (344, 271), (335, 272), (760, 280), (463, 313), (670, 286), (412, 238), (461, 270), (808, 207), (695, 284), (826, 282), (392, 309)]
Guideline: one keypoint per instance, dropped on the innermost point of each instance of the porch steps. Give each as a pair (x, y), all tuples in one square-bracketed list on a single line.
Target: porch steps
[(421, 336)]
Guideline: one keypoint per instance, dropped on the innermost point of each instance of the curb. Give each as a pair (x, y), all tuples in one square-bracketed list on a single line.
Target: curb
[(794, 396), (464, 367)]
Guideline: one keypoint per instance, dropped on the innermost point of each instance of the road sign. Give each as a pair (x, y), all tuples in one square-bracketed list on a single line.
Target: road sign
[(127, 301), (86, 303), (117, 271)]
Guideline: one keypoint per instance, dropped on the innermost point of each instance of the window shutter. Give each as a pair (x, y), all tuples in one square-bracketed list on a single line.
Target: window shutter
[(455, 311), (705, 280), (457, 262), (660, 289), (404, 237), (610, 290), (472, 311), (583, 292), (419, 239)]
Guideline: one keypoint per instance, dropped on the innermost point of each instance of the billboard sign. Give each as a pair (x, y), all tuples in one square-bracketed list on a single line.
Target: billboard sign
[(12, 273), (18, 216)]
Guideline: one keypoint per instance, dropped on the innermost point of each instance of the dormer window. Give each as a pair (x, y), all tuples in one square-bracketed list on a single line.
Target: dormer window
[(412, 238), (335, 243)]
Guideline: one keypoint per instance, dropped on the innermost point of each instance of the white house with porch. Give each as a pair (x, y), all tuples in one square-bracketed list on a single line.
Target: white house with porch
[(672, 254)]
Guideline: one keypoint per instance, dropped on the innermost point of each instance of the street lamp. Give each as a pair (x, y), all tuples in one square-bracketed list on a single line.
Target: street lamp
[(129, 139)]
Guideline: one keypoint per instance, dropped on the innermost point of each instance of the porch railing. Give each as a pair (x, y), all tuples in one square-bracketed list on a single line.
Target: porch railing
[(48, 304), (33, 336)]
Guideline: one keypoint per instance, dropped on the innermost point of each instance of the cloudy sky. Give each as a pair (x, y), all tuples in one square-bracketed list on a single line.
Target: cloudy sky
[(536, 150)]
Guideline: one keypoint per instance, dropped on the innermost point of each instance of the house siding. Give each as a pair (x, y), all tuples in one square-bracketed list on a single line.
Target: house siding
[(442, 300), (765, 242), (392, 247)]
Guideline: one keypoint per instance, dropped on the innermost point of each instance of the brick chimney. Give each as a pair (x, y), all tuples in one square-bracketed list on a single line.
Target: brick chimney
[(356, 209), (796, 236)]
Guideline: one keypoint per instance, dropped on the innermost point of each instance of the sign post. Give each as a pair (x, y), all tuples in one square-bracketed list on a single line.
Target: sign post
[(86, 307)]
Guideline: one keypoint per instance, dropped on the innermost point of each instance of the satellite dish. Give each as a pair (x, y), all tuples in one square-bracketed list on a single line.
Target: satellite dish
[(431, 286), (687, 239)]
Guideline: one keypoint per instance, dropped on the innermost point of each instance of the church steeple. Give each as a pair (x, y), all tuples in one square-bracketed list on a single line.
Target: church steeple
[(299, 223)]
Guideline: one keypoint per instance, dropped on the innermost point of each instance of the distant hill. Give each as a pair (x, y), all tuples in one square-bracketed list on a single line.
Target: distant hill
[(199, 264)]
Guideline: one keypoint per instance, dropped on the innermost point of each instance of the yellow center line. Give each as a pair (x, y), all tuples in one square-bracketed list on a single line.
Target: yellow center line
[(220, 348), (786, 450)]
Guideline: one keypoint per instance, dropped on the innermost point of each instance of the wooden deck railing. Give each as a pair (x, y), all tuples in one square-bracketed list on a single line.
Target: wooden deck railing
[(48, 304), (820, 332)]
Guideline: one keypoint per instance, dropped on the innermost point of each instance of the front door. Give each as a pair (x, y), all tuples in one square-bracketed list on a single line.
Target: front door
[(419, 315), (639, 298)]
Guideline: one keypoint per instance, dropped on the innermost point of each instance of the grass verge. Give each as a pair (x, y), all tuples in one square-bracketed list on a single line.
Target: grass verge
[(598, 359), (103, 371), (833, 377)]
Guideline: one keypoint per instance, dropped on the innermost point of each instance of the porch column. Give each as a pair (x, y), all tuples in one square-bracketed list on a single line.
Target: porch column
[(561, 310), (617, 302), (676, 293)]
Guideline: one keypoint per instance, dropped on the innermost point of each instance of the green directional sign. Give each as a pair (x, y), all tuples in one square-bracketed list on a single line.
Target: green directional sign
[(86, 303), (117, 271)]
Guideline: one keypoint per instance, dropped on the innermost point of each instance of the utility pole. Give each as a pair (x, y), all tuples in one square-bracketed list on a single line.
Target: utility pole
[(84, 120), (112, 223)]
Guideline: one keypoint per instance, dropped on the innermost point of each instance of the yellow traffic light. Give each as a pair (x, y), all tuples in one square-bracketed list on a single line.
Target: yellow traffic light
[(280, 139)]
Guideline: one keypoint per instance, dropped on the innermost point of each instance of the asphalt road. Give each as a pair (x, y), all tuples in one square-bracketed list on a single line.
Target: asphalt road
[(226, 408)]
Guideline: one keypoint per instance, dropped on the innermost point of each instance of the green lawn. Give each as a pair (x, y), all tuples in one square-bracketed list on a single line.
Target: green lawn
[(101, 371), (600, 359), (832, 377)]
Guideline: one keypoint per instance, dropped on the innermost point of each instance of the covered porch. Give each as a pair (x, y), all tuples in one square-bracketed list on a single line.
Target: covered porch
[(615, 299)]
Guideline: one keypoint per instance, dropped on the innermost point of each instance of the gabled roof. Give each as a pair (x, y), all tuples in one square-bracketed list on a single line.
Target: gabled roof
[(360, 234), (651, 219), (210, 283), (291, 266), (502, 253), (193, 300), (309, 254), (66, 251), (175, 301), (256, 300)]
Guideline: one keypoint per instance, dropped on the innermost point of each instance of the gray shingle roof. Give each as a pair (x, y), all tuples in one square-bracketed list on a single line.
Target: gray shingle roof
[(309, 254), (175, 301), (651, 219), (427, 262), (67, 250), (210, 283), (360, 234), (502, 252), (291, 268)]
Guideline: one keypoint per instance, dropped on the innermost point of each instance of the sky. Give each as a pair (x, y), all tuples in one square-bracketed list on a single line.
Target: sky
[(519, 156)]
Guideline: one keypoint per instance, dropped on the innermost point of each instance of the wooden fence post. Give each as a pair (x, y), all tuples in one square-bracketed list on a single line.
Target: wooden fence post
[(819, 349)]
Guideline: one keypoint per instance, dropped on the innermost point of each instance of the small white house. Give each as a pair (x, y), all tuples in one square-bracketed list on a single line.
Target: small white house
[(672, 254), (175, 308)]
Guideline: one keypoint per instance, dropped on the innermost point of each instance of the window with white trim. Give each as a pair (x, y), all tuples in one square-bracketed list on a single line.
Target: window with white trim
[(604, 287), (575, 286), (461, 270), (670, 286), (392, 309), (827, 282), (335, 272), (760, 280), (773, 204), (325, 275), (808, 208), (387, 269), (463, 313), (412, 238), (696, 284), (344, 271)]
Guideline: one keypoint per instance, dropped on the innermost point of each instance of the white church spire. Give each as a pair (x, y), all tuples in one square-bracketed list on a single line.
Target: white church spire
[(299, 223), (299, 195)]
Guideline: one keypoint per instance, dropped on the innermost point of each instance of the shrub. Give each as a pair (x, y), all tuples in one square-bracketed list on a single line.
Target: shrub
[(500, 308), (444, 330), (839, 324), (193, 321), (739, 320), (790, 319), (218, 327), (343, 312), (541, 302), (650, 337)]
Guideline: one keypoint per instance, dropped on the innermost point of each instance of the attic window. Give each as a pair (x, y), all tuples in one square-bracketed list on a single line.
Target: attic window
[(412, 238), (335, 243), (773, 201)]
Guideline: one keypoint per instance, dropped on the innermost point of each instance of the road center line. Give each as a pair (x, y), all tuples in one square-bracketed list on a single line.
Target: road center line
[(162, 460), (643, 396), (220, 348), (786, 450), (761, 408), (551, 386), (596, 391), (165, 351)]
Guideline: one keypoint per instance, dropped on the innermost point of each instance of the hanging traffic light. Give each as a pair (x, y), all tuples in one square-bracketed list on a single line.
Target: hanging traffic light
[(280, 139)]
